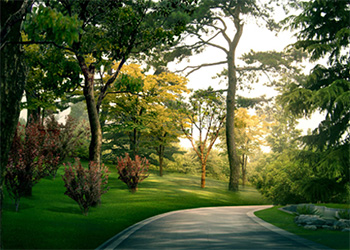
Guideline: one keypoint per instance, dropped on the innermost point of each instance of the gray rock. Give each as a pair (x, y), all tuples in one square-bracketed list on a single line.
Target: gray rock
[(330, 222), (346, 230), (346, 222), (309, 220), (340, 224), (310, 227), (327, 227)]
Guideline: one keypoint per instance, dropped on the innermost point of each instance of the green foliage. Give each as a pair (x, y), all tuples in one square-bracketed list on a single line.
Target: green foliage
[(59, 27), (343, 214), (325, 33), (307, 209)]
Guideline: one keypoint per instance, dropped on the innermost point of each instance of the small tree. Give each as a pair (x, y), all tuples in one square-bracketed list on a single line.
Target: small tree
[(132, 172), (85, 186), (205, 112)]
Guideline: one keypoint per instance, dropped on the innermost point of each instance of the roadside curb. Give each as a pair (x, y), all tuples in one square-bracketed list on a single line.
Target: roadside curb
[(116, 240), (308, 243)]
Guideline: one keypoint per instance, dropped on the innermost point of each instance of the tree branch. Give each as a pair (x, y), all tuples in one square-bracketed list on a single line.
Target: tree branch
[(12, 20), (195, 68), (45, 42)]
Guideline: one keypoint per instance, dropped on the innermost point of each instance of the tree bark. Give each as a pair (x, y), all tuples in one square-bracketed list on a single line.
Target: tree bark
[(203, 175), (93, 113), (161, 157), (13, 77), (231, 105)]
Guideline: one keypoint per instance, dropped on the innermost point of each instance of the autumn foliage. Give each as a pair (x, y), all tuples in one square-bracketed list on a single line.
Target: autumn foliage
[(132, 172), (85, 185), (32, 156)]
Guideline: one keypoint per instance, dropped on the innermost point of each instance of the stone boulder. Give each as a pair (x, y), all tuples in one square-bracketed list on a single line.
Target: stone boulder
[(306, 219)]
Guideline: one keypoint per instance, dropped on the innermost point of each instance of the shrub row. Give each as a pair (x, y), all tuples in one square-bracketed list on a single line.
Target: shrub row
[(38, 150)]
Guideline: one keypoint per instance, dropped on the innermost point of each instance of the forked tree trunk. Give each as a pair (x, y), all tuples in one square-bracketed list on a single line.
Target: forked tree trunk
[(95, 126), (96, 133)]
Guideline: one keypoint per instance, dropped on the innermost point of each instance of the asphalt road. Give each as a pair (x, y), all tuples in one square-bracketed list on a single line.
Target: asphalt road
[(208, 228)]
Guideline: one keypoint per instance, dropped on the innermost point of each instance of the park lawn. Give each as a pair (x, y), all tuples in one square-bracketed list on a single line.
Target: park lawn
[(51, 220), (332, 239)]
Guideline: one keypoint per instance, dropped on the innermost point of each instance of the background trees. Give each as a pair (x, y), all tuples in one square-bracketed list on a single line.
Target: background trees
[(324, 33), (136, 116), (90, 31), (216, 19), (203, 114)]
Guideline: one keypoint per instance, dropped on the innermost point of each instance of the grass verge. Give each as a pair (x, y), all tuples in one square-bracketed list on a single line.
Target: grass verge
[(332, 239), (51, 220)]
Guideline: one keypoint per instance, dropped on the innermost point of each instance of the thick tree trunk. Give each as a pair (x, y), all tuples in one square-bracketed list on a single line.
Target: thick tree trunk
[(231, 105), (230, 137), (93, 112), (13, 78), (96, 133)]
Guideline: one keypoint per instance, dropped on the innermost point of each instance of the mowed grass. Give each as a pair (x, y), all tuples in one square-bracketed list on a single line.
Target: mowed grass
[(332, 239), (51, 220)]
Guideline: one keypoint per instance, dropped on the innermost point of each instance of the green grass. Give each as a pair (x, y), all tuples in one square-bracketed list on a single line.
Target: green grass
[(332, 239), (51, 220)]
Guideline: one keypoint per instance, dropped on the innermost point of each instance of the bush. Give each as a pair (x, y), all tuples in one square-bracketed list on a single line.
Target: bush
[(85, 186), (132, 172), (343, 214), (26, 161), (307, 209)]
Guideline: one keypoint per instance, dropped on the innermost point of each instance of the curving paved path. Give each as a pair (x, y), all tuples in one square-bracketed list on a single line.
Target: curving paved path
[(208, 228)]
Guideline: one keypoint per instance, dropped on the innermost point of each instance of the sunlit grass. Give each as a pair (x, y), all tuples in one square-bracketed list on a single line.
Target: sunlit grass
[(51, 220)]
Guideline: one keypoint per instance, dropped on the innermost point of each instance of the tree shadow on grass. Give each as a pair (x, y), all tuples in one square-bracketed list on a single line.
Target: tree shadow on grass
[(66, 210)]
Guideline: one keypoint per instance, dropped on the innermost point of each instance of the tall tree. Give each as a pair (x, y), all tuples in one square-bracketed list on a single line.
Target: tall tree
[(213, 20), (204, 114), (13, 77), (324, 32), (117, 30)]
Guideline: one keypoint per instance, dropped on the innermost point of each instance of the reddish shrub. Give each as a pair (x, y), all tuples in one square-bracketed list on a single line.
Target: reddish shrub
[(132, 172), (85, 186)]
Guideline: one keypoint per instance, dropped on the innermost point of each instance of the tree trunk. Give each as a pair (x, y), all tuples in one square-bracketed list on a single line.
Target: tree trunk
[(231, 105), (244, 169), (96, 133), (203, 175), (230, 138), (13, 77), (161, 157)]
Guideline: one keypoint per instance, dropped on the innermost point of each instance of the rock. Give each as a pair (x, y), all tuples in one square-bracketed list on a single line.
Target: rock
[(305, 219), (310, 227), (346, 230), (346, 222), (340, 224), (327, 227), (330, 222)]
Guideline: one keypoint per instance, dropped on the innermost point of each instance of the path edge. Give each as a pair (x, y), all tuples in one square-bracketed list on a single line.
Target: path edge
[(294, 237)]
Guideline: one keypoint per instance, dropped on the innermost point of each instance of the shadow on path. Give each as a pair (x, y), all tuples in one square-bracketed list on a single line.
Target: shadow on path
[(208, 228)]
